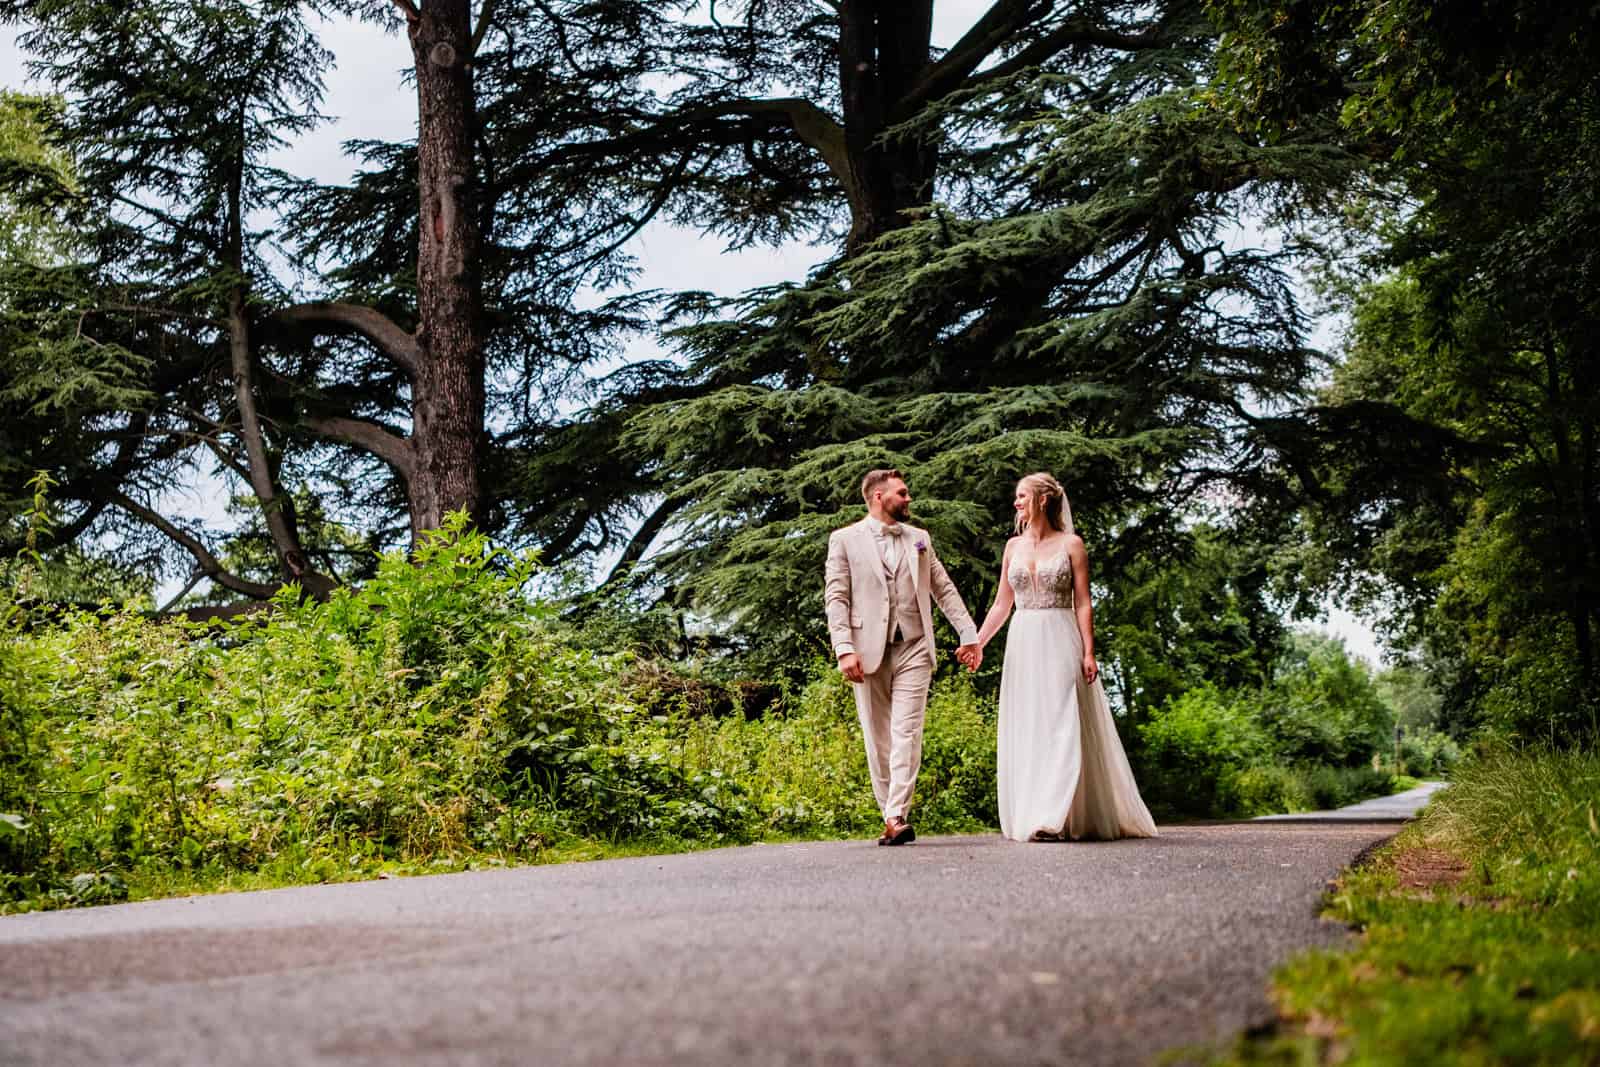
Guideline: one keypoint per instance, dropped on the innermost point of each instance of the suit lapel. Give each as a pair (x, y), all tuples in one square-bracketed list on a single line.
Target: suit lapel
[(865, 546), (909, 556)]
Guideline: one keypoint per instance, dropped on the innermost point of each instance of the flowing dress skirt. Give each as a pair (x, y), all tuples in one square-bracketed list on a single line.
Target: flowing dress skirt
[(1061, 764)]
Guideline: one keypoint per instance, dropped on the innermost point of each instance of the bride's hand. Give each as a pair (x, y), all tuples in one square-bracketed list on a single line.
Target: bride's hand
[(1091, 669)]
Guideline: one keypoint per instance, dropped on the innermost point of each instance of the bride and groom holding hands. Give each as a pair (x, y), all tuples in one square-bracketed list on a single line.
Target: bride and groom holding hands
[(1062, 773)]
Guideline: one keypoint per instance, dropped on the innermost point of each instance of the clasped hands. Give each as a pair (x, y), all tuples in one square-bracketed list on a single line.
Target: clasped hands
[(970, 657)]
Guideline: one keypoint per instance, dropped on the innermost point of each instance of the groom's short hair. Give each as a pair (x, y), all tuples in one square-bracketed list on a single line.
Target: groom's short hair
[(875, 479)]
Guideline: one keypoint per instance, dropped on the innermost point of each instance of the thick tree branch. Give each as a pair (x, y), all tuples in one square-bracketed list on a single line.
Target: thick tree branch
[(387, 445), (370, 323), (409, 9), (992, 30), (172, 601), (960, 64), (811, 124), (642, 537), (485, 13), (557, 548), (1076, 32), (207, 562), (560, 27)]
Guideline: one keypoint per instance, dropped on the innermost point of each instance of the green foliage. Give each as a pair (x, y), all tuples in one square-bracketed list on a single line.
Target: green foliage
[(1075, 311), (1305, 740), (1525, 820), (1199, 612), (1407, 689), (438, 716), (23, 749), (1428, 754), (35, 174), (1479, 932), (1191, 749), (1323, 708), (179, 238), (1493, 577), (1472, 361)]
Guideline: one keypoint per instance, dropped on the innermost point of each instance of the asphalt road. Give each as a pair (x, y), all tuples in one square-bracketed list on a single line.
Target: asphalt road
[(950, 951)]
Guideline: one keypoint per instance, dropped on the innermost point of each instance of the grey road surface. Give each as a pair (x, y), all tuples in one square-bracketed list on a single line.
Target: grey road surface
[(1396, 808), (953, 950)]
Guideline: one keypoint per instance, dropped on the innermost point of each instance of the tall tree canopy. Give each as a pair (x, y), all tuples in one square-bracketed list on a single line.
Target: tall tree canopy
[(1045, 260), (331, 347), (1475, 325)]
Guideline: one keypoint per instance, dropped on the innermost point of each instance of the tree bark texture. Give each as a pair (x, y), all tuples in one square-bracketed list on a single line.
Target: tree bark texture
[(448, 387), (884, 49)]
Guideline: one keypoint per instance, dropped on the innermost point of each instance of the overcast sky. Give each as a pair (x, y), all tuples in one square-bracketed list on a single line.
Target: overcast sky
[(367, 99)]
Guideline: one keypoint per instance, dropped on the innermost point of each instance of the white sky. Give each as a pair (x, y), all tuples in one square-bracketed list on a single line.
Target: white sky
[(366, 99)]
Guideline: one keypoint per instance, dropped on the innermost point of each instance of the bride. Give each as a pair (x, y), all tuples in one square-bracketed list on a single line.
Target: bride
[(1062, 771)]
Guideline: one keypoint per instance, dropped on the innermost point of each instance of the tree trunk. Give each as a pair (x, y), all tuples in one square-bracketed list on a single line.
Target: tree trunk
[(448, 389), (884, 48), (292, 562)]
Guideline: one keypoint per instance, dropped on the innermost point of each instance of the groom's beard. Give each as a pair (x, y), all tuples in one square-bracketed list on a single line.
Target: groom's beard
[(899, 512)]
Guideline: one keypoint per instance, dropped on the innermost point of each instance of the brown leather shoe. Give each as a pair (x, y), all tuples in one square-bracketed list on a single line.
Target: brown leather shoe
[(897, 831)]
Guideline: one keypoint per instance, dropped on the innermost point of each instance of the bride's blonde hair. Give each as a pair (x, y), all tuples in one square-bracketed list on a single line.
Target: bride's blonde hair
[(1052, 499)]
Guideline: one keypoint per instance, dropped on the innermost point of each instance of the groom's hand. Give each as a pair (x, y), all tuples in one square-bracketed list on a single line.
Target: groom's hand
[(970, 655), (850, 667)]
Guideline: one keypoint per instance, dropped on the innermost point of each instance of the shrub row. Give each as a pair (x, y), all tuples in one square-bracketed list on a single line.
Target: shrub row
[(440, 715), (436, 716)]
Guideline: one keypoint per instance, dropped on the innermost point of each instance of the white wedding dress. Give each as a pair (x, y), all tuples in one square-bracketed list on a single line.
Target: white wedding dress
[(1061, 764)]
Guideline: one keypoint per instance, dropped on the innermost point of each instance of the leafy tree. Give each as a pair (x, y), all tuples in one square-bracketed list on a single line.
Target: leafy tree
[(1478, 345), (1407, 689), (1323, 707), (181, 324), (1068, 290), (1209, 617)]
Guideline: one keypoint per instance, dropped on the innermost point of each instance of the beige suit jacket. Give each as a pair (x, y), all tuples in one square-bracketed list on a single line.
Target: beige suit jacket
[(856, 592)]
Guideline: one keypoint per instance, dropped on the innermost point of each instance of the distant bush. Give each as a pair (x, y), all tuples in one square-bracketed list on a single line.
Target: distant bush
[(1428, 753), (1323, 707), (1193, 747), (1334, 787), (1265, 789), (1303, 742)]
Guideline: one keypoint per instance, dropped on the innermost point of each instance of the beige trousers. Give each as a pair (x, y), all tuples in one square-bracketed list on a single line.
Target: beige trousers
[(891, 703)]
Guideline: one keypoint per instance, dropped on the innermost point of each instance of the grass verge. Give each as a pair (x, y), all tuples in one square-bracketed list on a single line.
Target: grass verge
[(1480, 933)]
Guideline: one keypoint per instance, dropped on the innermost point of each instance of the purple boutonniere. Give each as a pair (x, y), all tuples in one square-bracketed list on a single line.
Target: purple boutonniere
[(921, 546)]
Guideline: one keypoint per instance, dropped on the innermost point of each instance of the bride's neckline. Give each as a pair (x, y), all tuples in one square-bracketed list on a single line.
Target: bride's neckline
[(1034, 556)]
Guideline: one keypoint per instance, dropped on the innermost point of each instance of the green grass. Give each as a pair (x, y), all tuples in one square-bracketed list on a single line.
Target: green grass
[(1497, 962), (161, 882)]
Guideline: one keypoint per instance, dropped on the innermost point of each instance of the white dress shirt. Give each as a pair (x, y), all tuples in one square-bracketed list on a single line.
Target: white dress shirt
[(889, 536)]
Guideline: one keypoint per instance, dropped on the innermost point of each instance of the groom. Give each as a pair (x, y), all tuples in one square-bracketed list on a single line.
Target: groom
[(880, 573)]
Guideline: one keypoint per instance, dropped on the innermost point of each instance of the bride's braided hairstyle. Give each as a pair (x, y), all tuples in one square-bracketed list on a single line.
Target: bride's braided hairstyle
[(1052, 498)]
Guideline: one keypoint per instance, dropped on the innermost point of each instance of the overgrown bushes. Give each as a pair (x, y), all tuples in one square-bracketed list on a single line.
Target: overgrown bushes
[(1304, 742), (437, 716), (441, 715)]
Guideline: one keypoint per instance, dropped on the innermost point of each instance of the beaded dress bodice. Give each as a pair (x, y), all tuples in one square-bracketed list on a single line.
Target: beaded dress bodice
[(1048, 584)]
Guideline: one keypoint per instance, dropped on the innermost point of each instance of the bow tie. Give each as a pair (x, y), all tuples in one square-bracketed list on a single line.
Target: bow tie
[(893, 531)]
